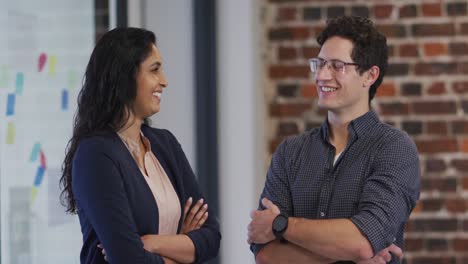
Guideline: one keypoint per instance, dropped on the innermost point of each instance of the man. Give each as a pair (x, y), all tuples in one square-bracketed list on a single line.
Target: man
[(344, 191)]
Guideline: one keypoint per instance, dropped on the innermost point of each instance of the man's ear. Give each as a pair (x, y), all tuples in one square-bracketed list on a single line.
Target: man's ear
[(371, 76)]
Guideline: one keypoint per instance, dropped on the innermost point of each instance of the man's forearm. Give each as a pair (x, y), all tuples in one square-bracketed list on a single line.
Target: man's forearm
[(338, 239), (276, 252)]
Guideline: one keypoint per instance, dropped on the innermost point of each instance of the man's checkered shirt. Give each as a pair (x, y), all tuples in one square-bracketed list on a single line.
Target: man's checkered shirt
[(375, 182)]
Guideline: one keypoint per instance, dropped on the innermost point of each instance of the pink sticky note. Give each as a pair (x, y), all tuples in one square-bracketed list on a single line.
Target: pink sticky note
[(42, 61), (43, 160)]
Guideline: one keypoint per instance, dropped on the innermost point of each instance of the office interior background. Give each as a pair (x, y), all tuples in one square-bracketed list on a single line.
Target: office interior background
[(239, 83)]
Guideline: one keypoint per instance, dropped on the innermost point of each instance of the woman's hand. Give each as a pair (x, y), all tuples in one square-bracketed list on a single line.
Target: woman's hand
[(385, 255), (103, 251), (195, 217)]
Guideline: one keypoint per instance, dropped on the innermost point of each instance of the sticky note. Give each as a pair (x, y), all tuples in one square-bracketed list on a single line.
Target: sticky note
[(3, 76), (64, 100), (11, 98), (43, 160), (10, 133), (41, 61), (39, 176), (19, 83), (52, 62), (33, 193), (35, 152)]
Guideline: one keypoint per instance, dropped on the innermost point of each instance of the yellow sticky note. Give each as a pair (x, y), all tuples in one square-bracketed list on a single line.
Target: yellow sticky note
[(33, 193), (52, 62), (10, 133)]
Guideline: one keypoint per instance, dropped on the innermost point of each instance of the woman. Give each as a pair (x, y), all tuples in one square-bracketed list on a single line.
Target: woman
[(128, 182)]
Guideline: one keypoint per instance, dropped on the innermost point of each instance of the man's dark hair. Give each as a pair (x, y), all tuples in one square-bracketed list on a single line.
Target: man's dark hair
[(370, 46)]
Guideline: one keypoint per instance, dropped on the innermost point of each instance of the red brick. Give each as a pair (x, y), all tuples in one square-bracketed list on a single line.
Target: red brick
[(448, 185), (458, 48), (431, 10), (382, 11), (435, 165), (433, 260), (394, 108), (409, 50), (289, 71), (436, 68), (417, 209), (462, 67), (413, 244), (464, 145), (436, 244), (436, 88), (431, 146), (309, 91), (460, 244), (287, 129), (456, 205), (392, 30), (437, 128), (386, 89), (465, 187), (408, 11), (310, 52), (431, 205), (434, 108), (460, 164), (435, 49), (433, 30), (289, 33), (460, 127), (287, 53), (287, 13), (289, 109), (464, 28), (434, 225), (460, 87)]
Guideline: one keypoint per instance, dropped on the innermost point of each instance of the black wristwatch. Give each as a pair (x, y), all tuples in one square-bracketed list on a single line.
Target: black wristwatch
[(279, 226)]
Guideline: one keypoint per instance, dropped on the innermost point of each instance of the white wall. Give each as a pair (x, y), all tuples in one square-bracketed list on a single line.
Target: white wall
[(240, 124), (171, 21)]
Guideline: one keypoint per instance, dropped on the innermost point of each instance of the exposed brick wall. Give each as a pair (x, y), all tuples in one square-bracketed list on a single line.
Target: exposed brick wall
[(424, 93)]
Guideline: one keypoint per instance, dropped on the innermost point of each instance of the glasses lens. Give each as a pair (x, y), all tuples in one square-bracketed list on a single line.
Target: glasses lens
[(337, 65), (316, 64)]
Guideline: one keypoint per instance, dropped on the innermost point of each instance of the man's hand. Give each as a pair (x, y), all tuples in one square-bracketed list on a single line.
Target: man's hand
[(384, 255), (259, 229)]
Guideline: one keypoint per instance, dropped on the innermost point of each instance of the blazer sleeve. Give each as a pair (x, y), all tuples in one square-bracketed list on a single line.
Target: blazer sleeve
[(99, 190), (206, 239)]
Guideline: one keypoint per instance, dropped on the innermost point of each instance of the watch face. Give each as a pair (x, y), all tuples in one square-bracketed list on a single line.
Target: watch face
[(280, 223)]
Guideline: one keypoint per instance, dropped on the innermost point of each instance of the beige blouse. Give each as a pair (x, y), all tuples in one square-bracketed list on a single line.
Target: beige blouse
[(166, 198)]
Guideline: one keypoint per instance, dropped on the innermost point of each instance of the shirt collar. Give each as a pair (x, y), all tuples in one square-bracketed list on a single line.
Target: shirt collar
[(357, 127)]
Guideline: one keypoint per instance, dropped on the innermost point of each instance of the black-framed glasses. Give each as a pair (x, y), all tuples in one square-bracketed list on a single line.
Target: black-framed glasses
[(317, 64)]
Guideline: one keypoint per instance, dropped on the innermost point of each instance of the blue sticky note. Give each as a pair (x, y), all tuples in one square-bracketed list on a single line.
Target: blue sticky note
[(64, 100), (10, 105), (39, 176), (19, 83), (35, 152)]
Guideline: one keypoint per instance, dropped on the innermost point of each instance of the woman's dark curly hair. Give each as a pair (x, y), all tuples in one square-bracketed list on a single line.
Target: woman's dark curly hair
[(370, 46), (108, 93)]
